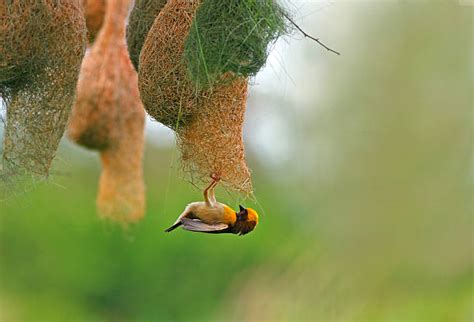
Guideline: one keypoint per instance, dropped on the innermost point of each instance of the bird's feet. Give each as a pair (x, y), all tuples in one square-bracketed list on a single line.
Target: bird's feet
[(216, 177)]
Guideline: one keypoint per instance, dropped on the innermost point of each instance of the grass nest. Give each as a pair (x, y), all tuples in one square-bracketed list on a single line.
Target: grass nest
[(208, 123), (42, 43)]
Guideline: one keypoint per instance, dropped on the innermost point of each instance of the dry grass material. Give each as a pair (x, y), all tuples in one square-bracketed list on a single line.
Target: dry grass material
[(42, 43), (166, 91), (140, 21), (108, 116), (212, 141), (94, 11)]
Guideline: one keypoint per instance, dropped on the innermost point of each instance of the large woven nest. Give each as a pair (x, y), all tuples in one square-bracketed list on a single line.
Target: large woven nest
[(140, 21), (108, 116), (232, 36), (208, 123), (42, 43), (94, 11)]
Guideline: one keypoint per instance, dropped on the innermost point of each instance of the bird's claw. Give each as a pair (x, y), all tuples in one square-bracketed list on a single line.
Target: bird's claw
[(215, 177)]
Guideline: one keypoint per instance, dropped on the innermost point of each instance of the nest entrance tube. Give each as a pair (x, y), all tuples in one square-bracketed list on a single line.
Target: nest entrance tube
[(108, 116), (41, 47), (212, 141)]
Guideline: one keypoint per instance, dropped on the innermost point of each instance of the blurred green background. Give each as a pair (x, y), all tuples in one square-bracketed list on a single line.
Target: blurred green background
[(363, 178)]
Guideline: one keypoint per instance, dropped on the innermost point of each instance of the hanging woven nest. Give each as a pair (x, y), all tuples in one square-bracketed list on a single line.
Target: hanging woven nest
[(108, 116), (208, 123), (42, 43)]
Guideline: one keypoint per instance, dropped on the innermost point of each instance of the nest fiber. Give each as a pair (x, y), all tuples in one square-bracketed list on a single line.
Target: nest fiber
[(94, 11), (139, 23), (42, 43), (232, 36), (108, 116)]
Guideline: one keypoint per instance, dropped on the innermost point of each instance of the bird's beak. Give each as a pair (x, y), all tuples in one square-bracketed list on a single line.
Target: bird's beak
[(241, 208)]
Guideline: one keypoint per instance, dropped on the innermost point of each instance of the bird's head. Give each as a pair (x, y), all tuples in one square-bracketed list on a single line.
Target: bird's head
[(247, 219)]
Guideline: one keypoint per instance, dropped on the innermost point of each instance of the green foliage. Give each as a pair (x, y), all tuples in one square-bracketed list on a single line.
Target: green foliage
[(232, 36)]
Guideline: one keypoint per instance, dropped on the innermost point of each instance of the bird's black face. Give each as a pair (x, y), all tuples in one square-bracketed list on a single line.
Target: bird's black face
[(243, 214), (243, 226)]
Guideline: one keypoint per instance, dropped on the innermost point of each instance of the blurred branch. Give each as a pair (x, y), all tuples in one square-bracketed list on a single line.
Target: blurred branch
[(309, 36)]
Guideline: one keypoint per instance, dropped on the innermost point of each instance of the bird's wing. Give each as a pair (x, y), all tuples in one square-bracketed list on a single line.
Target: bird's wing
[(188, 211), (199, 226)]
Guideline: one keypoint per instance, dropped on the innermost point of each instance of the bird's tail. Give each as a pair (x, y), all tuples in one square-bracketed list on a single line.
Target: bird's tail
[(176, 225)]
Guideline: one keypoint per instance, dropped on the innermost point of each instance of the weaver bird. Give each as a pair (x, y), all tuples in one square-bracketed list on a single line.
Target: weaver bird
[(210, 216)]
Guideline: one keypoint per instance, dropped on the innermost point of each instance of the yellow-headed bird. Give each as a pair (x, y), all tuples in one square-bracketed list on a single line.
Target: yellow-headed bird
[(210, 216)]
